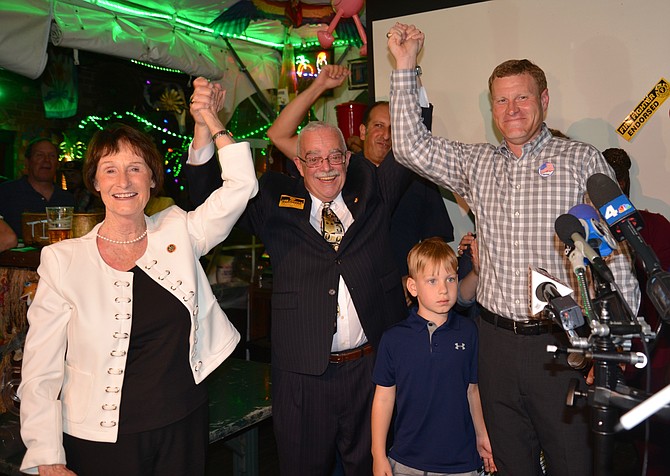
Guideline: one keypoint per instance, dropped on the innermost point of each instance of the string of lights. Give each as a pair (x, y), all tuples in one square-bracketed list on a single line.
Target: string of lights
[(174, 154)]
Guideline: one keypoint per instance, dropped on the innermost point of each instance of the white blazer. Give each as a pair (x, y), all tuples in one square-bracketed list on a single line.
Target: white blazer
[(81, 317)]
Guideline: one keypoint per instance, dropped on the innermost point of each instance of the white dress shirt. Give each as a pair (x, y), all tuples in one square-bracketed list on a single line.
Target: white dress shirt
[(349, 333)]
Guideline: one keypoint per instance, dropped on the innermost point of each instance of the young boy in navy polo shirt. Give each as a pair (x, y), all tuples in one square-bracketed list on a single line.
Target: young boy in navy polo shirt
[(427, 366)]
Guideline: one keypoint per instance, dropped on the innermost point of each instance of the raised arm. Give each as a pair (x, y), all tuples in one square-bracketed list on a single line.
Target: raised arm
[(283, 131), (203, 174), (206, 102), (405, 43)]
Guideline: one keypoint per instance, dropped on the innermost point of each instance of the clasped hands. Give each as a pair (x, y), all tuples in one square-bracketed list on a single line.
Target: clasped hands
[(207, 98), (405, 42)]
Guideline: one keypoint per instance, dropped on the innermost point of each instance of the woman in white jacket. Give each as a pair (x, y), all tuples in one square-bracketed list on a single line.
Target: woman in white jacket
[(124, 326)]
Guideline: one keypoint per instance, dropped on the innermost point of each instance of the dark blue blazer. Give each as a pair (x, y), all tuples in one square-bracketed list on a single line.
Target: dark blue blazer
[(305, 267)]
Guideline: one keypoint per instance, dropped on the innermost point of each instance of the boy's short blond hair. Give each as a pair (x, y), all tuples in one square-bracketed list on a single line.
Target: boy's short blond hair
[(431, 251)]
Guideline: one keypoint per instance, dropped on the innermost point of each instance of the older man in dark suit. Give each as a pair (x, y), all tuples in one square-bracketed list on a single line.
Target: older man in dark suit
[(330, 303)]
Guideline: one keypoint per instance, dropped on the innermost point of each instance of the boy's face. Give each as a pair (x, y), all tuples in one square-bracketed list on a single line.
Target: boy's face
[(436, 288)]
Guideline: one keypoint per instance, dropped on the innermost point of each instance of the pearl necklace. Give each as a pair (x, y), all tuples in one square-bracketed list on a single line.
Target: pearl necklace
[(118, 242)]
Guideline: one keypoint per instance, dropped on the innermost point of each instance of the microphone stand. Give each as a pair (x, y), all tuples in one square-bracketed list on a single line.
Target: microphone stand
[(603, 417), (610, 320)]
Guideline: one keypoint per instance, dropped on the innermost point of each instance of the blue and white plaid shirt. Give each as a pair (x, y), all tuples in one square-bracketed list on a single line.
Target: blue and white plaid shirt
[(515, 200)]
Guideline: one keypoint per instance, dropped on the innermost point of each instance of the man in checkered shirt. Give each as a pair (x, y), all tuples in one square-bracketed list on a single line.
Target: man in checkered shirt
[(516, 191)]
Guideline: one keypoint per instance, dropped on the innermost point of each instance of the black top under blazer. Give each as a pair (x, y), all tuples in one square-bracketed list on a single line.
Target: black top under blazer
[(306, 269)]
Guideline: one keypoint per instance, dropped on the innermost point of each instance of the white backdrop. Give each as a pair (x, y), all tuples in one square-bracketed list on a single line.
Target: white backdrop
[(601, 59)]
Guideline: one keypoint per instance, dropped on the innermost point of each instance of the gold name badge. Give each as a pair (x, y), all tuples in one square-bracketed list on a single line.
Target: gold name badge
[(286, 201)]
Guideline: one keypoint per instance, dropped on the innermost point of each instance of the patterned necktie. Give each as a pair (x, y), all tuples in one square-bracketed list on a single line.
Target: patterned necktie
[(331, 226)]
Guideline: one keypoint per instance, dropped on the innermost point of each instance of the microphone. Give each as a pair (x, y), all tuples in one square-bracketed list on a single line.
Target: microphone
[(571, 232), (543, 288), (597, 234), (621, 217), (624, 221), (550, 295)]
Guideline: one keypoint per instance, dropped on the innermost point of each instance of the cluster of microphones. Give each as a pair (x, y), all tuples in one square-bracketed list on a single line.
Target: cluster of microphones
[(583, 229), (587, 242)]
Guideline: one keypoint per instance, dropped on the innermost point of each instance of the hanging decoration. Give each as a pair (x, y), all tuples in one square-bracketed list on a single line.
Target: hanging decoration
[(287, 87), (233, 22), (171, 98), (344, 9), (59, 86)]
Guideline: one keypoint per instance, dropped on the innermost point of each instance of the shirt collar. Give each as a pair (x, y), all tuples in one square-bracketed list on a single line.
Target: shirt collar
[(531, 148), (336, 204), (418, 323)]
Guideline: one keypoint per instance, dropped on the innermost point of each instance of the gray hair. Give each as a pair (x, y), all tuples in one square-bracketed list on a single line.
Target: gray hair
[(315, 126)]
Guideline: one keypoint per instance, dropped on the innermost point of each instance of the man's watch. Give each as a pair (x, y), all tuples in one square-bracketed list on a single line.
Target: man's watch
[(418, 71)]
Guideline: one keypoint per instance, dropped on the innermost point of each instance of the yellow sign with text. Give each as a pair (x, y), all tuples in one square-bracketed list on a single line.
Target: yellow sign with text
[(643, 111)]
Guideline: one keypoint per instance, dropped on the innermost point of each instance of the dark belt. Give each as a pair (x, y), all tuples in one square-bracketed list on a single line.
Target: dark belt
[(525, 328), (349, 355)]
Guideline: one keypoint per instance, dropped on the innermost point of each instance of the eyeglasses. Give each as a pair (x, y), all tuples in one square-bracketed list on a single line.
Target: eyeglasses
[(336, 158)]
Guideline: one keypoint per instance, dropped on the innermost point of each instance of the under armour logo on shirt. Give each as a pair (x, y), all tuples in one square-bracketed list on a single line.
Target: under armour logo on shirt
[(460, 346)]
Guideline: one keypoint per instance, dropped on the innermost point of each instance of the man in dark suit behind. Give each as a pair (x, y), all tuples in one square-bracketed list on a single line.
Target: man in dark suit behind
[(329, 307)]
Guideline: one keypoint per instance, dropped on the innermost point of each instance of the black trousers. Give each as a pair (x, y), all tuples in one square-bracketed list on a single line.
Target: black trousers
[(523, 391), (315, 415), (179, 449)]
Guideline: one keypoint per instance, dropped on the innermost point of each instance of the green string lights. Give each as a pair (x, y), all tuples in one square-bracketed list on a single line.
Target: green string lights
[(173, 154), (158, 68)]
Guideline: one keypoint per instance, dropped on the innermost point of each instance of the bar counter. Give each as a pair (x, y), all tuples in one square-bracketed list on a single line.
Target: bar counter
[(26, 258)]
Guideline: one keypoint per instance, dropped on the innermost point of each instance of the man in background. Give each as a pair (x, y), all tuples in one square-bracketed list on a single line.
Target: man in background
[(35, 190)]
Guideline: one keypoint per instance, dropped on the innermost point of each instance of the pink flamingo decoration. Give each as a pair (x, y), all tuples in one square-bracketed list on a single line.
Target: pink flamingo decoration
[(344, 9)]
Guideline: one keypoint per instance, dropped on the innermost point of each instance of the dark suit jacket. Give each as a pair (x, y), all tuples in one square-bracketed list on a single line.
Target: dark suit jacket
[(420, 214), (305, 267)]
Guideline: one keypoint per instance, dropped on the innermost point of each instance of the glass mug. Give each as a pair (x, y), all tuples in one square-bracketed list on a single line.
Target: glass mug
[(59, 223)]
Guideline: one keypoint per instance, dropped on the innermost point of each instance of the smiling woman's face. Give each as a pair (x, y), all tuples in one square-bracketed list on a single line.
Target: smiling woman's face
[(124, 181)]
